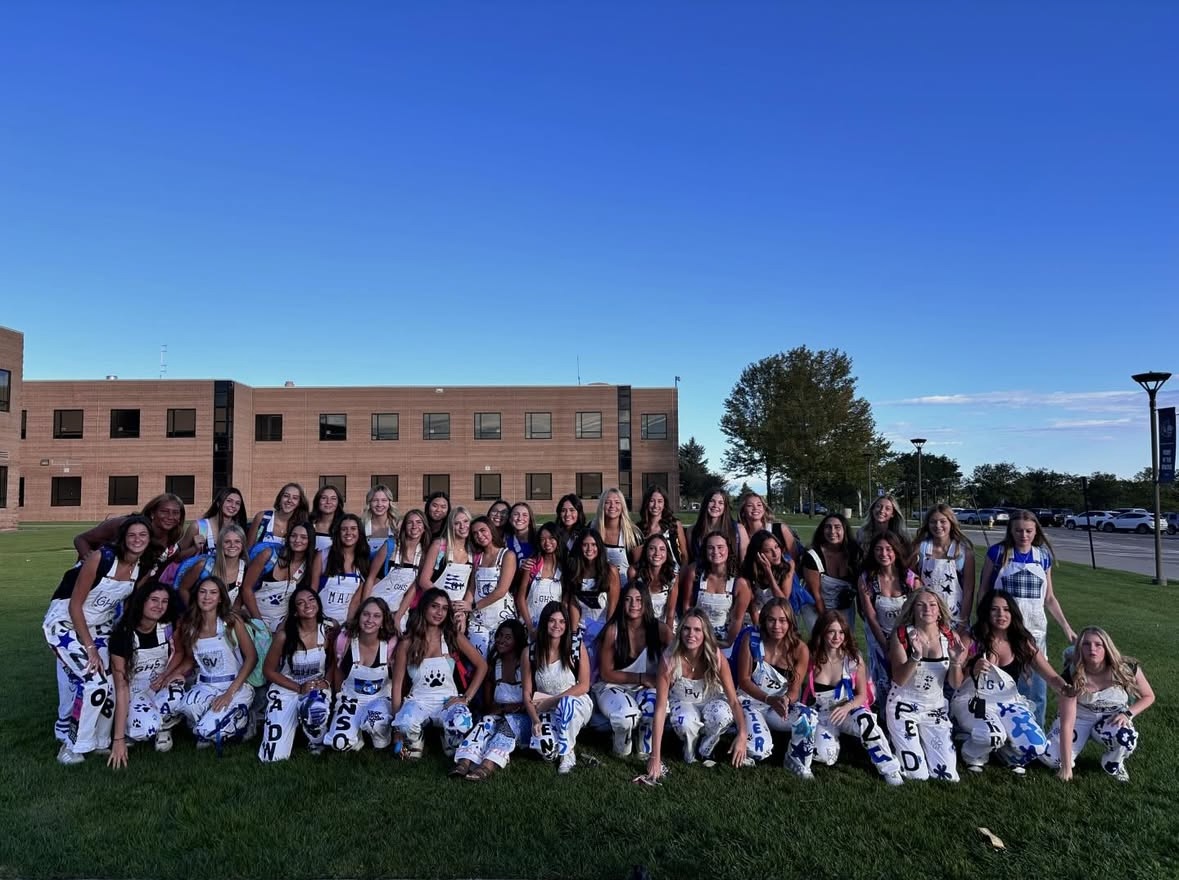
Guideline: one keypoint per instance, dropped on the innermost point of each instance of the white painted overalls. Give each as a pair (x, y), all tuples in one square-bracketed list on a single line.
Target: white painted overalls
[(616, 556), (541, 592), (218, 661), (918, 721), (944, 576), (837, 594), (288, 711), (431, 685), (399, 580), (150, 711), (362, 704), (1025, 577), (861, 723), (91, 714), (996, 718), (717, 607), (761, 718), (888, 612), (336, 592), (273, 596), (496, 736), (560, 725), (629, 707), (698, 715), (485, 621), (1094, 721)]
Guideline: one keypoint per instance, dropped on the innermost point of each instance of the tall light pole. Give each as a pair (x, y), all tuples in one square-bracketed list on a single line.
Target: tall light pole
[(868, 461), (919, 442), (1151, 383)]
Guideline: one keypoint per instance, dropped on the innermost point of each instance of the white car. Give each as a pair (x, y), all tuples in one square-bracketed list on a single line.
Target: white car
[(1096, 518), (1140, 522)]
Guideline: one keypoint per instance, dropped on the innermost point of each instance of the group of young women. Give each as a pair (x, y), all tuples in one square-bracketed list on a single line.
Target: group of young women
[(307, 622)]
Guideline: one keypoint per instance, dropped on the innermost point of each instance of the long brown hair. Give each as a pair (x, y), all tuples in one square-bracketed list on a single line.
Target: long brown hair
[(419, 627), (818, 647), (677, 653), (189, 629)]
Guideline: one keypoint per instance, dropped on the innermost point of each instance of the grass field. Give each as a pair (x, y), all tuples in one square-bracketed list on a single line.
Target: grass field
[(188, 814)]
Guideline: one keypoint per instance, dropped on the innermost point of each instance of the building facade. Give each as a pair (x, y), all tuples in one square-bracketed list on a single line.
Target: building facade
[(93, 449), (12, 356)]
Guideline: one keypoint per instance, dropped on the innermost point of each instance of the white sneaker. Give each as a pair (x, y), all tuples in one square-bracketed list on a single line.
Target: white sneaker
[(1123, 775), (568, 761), (164, 741), (1019, 770), (894, 779), (66, 755), (203, 743), (975, 768)]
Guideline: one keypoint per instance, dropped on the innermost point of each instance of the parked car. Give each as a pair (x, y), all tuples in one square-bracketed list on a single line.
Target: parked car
[(1142, 523), (1172, 522), (994, 515), (1061, 514), (1045, 516), (1094, 518), (820, 509), (967, 516)]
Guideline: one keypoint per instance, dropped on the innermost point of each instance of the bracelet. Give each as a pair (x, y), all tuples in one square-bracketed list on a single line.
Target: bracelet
[(92, 647), (1128, 713), (119, 739)]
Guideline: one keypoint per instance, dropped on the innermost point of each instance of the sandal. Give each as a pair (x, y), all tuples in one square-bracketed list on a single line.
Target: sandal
[(481, 773), (462, 768)]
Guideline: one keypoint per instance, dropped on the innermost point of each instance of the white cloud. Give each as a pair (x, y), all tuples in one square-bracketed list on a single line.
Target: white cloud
[(1066, 399)]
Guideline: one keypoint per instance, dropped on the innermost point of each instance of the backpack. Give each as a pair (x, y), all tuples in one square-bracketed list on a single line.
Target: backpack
[(69, 580)]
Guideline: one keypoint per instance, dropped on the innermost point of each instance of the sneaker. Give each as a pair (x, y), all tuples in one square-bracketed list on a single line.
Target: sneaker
[(804, 773), (203, 743), (66, 755), (1019, 770), (975, 768), (164, 741), (568, 761), (894, 779), (1123, 775)]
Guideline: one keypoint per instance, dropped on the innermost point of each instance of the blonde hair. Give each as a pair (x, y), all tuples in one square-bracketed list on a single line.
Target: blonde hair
[(895, 524), (451, 540), (908, 610), (367, 517), (1122, 668), (677, 653), (957, 537), (219, 558), (627, 529)]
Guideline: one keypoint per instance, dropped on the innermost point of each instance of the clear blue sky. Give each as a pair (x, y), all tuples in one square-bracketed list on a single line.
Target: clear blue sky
[(979, 202)]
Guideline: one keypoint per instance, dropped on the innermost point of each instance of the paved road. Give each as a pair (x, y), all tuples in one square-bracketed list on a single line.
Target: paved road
[(1122, 551)]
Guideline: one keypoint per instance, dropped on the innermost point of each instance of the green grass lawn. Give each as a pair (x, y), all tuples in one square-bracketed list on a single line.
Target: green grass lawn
[(189, 814)]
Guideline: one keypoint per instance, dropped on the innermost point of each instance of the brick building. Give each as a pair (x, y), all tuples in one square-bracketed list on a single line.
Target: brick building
[(95, 448), (12, 355)]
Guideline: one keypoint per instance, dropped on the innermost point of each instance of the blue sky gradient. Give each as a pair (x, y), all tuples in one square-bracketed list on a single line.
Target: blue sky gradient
[(976, 201)]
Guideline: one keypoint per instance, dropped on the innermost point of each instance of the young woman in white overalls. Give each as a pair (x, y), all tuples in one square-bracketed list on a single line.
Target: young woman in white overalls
[(925, 653), (148, 686), (619, 536), (945, 562), (490, 594), (426, 662), (505, 723), (771, 667), (217, 706), (589, 587), (227, 562), (540, 581), (298, 691), (228, 508), (1107, 692), (271, 526), (327, 507), (839, 690), (1021, 564), (632, 645), (448, 560), (885, 583), (656, 573), (361, 678), (988, 708), (393, 577), (274, 574), (341, 570), (694, 689), (768, 570), (571, 520), (830, 569), (556, 688), (77, 627), (711, 585)]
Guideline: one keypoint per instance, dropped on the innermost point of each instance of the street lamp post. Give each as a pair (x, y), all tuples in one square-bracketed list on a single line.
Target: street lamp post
[(919, 442), (1151, 383), (868, 461)]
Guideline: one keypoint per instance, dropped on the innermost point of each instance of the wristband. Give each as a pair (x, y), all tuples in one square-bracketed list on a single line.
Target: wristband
[(1128, 713)]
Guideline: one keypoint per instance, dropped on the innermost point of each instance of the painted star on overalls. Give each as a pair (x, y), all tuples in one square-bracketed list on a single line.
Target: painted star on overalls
[(100, 642), (1006, 709), (65, 640), (827, 736), (1028, 753), (941, 771), (800, 750)]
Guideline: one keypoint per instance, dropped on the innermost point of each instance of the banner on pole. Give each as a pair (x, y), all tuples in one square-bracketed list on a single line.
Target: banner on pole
[(1167, 445)]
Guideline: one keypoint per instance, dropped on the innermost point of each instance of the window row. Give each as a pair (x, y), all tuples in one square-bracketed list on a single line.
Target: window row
[(122, 491), (268, 427), (68, 424)]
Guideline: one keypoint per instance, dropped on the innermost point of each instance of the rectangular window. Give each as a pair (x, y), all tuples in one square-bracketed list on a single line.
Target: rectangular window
[(183, 486), (654, 426), (20, 492), (655, 480), (182, 423), (67, 424), (122, 491), (589, 426), (389, 481), (268, 428), (5, 390), (487, 487), (124, 424), (588, 485), (24, 424), (538, 426), (333, 426), (4, 486), (432, 483), (436, 426), (386, 426), (487, 427), (339, 481), (65, 492), (538, 487)]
